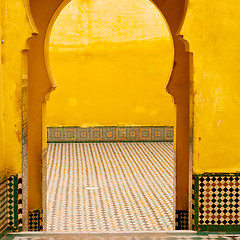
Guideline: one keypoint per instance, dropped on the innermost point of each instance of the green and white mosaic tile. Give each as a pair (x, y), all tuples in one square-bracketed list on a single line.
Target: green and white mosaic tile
[(10, 201), (34, 220), (217, 202)]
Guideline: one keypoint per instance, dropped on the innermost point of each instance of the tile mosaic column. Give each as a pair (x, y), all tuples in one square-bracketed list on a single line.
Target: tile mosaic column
[(12, 203), (20, 203)]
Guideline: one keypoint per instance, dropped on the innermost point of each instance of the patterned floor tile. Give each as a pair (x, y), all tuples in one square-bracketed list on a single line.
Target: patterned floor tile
[(111, 187)]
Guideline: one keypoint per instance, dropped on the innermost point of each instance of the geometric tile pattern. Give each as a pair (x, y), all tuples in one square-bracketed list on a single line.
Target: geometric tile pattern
[(181, 221), (110, 134), (193, 201), (10, 190), (218, 202), (3, 206), (34, 221), (95, 187), (20, 203), (14, 200), (40, 220), (124, 236)]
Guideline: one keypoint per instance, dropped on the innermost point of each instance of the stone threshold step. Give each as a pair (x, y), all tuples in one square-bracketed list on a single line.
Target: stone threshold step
[(171, 235)]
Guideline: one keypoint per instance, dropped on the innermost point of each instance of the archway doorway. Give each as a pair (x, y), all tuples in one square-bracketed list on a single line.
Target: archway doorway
[(98, 55), (41, 84)]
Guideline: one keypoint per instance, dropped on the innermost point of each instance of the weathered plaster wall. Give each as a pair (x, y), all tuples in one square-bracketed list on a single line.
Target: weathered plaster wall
[(111, 62), (2, 162), (11, 59), (15, 31), (212, 29)]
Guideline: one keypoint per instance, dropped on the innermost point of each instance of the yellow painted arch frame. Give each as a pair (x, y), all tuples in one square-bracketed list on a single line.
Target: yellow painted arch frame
[(41, 83)]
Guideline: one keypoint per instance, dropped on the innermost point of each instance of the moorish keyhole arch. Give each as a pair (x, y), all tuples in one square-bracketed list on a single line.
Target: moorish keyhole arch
[(41, 83)]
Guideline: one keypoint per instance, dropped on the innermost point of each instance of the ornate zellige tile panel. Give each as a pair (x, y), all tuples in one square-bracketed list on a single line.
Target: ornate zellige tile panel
[(218, 202), (11, 193), (110, 134), (35, 220), (14, 202), (20, 202), (181, 220)]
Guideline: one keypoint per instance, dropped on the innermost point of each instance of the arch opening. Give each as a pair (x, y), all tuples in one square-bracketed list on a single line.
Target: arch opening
[(41, 83), (122, 61)]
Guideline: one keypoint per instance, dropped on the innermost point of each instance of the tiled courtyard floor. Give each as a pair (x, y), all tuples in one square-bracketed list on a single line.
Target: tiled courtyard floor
[(110, 187)]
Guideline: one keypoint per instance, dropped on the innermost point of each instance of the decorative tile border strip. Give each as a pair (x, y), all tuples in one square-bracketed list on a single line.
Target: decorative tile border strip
[(41, 220), (110, 134), (217, 202), (35, 220), (11, 196), (20, 202), (181, 221), (14, 207), (3, 206), (14, 199), (193, 201)]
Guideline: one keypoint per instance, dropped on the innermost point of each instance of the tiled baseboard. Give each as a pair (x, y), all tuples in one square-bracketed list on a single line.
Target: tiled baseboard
[(3, 206), (14, 190), (193, 202), (10, 204), (110, 134), (181, 221), (11, 207), (3, 233), (35, 220), (217, 202)]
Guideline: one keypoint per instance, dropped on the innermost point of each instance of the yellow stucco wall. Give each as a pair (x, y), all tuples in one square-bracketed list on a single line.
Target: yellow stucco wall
[(111, 61), (14, 36), (2, 162), (212, 29)]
